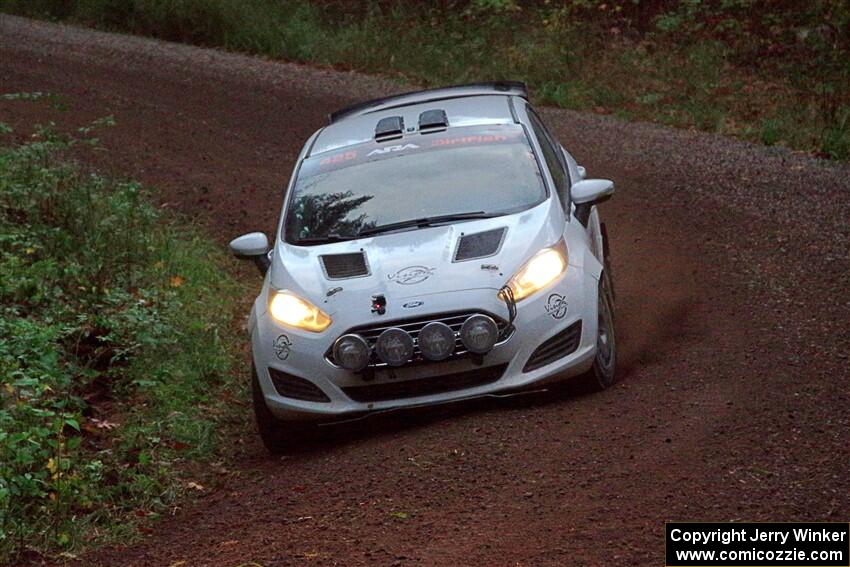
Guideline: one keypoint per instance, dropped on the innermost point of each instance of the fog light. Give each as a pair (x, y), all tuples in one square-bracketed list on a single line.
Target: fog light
[(479, 334), (436, 341), (351, 352), (394, 346)]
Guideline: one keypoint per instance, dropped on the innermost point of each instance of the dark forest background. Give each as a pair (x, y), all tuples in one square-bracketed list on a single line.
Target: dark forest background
[(772, 71)]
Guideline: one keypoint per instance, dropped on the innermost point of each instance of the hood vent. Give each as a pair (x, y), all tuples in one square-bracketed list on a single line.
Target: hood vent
[(344, 266), (389, 128), (479, 245), (433, 121)]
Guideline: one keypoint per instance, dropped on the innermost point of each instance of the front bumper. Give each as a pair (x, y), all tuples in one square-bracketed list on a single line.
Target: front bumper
[(568, 302)]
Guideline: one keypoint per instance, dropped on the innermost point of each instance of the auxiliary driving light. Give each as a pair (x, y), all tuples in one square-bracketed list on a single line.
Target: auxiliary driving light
[(351, 352), (394, 346), (479, 334), (436, 341)]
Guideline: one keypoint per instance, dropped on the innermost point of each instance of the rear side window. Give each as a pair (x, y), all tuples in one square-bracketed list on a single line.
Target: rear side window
[(553, 157)]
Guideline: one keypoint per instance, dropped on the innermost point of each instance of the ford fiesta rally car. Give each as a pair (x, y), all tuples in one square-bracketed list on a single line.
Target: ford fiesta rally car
[(433, 246)]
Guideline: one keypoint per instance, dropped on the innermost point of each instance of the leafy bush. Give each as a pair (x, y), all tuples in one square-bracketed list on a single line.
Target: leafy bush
[(115, 357)]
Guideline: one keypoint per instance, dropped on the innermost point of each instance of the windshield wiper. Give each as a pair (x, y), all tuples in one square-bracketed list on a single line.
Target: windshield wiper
[(425, 222), (327, 239)]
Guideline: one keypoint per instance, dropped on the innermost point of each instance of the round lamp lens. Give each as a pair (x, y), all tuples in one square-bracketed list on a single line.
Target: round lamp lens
[(351, 352), (436, 341), (479, 334), (394, 346)]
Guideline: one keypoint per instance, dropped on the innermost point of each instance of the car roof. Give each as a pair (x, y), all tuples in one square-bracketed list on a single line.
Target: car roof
[(479, 104)]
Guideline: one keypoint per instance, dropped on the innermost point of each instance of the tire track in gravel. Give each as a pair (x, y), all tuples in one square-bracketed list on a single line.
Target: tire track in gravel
[(731, 266)]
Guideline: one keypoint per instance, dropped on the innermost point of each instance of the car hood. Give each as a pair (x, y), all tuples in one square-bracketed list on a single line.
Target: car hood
[(416, 263)]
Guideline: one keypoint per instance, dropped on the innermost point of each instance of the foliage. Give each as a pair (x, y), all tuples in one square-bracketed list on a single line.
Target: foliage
[(764, 70), (114, 359)]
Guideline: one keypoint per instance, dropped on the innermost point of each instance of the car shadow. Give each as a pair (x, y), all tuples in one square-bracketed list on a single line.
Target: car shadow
[(372, 426)]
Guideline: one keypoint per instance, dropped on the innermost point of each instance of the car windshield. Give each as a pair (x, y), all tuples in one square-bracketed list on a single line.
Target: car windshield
[(418, 180)]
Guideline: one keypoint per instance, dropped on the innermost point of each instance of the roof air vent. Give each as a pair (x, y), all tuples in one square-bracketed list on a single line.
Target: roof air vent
[(389, 128), (344, 266), (433, 121), (479, 245)]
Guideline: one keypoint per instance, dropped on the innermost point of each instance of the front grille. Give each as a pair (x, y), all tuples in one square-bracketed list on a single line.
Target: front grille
[(413, 326), (290, 386), (564, 343), (342, 266), (425, 386), (479, 245)]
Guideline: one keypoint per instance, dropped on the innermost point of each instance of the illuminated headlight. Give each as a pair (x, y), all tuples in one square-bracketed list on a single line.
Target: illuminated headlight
[(543, 268), (289, 309), (351, 352)]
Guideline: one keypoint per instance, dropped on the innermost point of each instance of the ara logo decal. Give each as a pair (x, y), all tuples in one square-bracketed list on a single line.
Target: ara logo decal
[(556, 306), (388, 149), (413, 304), (282, 347), (412, 275)]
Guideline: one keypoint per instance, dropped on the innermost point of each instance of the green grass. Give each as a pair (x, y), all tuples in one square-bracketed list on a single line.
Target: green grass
[(117, 352), (774, 72)]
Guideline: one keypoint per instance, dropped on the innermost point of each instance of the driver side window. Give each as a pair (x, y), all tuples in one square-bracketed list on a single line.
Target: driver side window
[(554, 160)]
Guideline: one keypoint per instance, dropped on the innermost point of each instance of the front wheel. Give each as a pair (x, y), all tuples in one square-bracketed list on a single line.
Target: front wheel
[(603, 374), (278, 436)]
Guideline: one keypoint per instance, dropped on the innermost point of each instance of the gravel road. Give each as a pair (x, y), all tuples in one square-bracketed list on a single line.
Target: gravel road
[(732, 270)]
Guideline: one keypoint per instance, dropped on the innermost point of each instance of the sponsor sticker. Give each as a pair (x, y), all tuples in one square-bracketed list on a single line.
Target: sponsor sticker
[(339, 158), (412, 275), (556, 306), (282, 347), (391, 149)]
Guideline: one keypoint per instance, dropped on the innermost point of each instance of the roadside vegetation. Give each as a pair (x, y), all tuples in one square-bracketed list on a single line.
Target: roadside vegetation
[(772, 71), (116, 352)]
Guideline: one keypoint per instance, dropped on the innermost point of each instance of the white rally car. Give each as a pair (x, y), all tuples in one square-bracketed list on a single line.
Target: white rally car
[(433, 246)]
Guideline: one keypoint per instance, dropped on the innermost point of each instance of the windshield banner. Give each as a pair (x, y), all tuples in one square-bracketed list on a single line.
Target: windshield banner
[(371, 151)]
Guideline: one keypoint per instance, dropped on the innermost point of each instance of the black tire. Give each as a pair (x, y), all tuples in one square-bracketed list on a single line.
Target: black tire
[(278, 436), (603, 374), (607, 273)]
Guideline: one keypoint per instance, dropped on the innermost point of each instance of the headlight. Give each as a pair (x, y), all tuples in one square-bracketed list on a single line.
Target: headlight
[(289, 309), (543, 268)]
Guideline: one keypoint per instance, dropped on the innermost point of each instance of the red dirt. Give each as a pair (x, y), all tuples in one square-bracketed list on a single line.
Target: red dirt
[(732, 314)]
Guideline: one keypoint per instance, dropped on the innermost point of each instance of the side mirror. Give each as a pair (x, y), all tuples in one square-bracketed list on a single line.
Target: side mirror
[(253, 246), (587, 193)]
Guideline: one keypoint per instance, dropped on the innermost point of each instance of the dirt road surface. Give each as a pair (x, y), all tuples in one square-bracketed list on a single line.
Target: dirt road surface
[(732, 269)]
